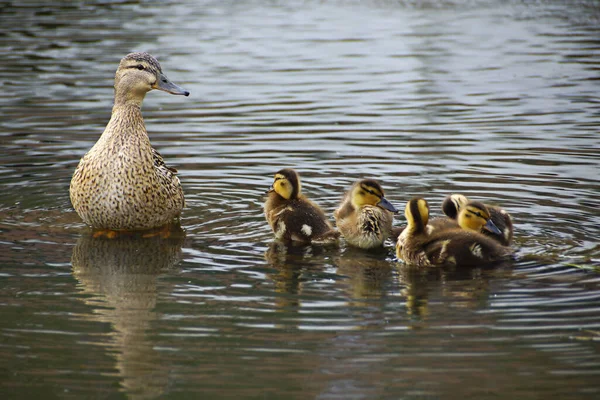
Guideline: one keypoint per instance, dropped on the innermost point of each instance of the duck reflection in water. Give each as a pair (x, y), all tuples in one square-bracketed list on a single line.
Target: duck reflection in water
[(435, 290), (119, 277), (369, 273), (294, 264)]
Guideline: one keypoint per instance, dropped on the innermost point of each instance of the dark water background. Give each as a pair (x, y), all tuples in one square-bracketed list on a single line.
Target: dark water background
[(496, 100)]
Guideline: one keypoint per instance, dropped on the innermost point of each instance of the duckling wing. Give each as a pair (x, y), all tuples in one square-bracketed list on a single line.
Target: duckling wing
[(304, 222), (459, 247)]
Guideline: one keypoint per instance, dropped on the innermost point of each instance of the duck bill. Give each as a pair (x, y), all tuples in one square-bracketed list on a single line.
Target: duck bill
[(385, 204), (166, 85), (491, 227)]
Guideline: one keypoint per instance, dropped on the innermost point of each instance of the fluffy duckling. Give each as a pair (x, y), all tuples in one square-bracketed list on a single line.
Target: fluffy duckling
[(466, 222), (454, 203), (426, 247), (122, 183), (292, 216), (365, 216)]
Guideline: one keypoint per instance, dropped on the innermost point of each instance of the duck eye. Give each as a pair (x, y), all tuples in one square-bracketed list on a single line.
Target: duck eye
[(140, 67)]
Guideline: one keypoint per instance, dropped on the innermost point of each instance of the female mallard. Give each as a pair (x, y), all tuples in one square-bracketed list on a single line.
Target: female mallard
[(365, 216), (122, 183), (454, 203), (426, 247), (292, 216)]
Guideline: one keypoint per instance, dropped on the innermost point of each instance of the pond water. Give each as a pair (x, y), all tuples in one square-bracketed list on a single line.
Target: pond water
[(495, 100)]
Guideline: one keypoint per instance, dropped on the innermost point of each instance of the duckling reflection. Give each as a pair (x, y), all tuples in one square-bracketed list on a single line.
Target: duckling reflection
[(429, 290), (370, 275), (292, 262), (120, 278), (416, 292)]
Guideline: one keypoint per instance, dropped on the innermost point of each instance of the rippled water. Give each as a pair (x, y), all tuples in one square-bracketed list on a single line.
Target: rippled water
[(496, 100)]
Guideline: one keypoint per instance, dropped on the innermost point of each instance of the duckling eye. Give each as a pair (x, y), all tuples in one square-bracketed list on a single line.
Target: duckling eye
[(140, 67)]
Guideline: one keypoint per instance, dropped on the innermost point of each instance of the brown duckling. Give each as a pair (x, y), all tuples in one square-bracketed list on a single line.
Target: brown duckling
[(468, 223), (455, 246), (365, 216), (292, 216), (454, 203)]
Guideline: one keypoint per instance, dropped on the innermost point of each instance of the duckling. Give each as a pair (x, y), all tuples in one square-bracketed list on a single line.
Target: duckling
[(365, 216), (292, 216), (122, 183), (455, 246), (501, 219)]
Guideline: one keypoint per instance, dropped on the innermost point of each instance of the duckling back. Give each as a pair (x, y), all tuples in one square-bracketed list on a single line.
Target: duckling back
[(298, 220), (452, 247)]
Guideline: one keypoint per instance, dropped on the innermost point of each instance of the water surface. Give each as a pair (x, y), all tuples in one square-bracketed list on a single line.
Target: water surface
[(495, 100)]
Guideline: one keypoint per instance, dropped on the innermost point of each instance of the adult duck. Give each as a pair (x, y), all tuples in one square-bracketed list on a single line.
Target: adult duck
[(122, 183)]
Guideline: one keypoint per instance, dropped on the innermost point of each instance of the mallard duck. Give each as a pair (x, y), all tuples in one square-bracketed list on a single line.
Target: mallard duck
[(122, 183), (454, 203), (365, 216), (292, 216), (455, 246)]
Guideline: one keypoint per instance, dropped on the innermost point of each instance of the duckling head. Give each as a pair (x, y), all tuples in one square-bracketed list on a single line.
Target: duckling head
[(287, 184), (138, 73), (417, 214), (475, 216), (453, 204), (370, 192)]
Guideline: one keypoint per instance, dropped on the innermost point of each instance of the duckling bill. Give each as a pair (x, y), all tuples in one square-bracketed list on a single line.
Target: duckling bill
[(122, 183), (292, 216), (455, 246), (365, 216)]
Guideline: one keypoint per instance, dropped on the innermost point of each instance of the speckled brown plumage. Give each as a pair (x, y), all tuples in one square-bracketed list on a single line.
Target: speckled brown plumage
[(122, 183)]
